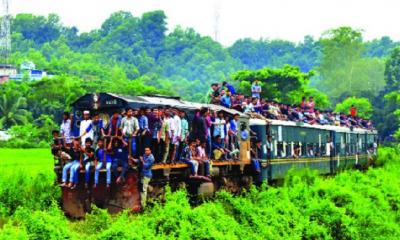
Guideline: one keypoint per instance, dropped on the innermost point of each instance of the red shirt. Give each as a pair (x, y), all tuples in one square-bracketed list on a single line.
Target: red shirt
[(353, 111)]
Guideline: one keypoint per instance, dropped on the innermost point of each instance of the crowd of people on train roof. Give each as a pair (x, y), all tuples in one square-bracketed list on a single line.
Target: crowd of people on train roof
[(225, 94)]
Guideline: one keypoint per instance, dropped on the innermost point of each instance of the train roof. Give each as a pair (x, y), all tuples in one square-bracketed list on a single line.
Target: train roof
[(96, 101), (323, 127)]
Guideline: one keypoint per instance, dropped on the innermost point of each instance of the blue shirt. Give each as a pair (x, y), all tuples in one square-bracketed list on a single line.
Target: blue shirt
[(100, 155), (226, 101), (146, 166), (231, 88), (244, 135), (143, 122), (217, 145), (234, 126), (121, 154)]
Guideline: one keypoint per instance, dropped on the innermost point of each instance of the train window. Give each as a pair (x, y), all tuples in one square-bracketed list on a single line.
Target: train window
[(280, 148), (322, 149), (303, 150), (78, 114)]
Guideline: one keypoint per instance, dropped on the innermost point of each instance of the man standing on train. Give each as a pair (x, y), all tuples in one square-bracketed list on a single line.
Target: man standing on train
[(129, 129), (65, 128), (85, 128), (145, 163)]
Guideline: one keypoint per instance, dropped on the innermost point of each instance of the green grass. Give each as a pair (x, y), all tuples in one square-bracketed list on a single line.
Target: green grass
[(30, 160)]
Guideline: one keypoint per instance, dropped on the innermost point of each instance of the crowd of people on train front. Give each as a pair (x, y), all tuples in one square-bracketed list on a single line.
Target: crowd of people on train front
[(225, 94), (142, 137)]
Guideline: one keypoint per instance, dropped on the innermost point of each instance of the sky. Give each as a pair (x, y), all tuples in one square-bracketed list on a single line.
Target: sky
[(235, 19)]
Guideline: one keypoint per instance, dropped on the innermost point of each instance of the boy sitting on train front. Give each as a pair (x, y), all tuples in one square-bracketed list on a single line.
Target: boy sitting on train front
[(58, 143), (202, 158), (102, 158), (120, 158), (88, 159), (188, 156), (75, 156)]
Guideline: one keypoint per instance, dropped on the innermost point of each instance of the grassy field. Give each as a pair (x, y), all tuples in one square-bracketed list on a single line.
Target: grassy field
[(30, 160)]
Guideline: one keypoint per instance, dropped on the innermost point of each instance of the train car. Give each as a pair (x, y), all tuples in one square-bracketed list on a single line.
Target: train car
[(293, 145)]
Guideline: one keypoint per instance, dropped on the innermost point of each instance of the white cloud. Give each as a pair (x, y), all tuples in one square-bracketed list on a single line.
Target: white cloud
[(284, 19)]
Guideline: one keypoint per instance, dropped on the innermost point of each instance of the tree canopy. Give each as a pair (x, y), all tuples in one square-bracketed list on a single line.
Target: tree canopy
[(138, 55)]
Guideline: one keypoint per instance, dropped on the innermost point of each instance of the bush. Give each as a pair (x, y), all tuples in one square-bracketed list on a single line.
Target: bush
[(50, 224), (37, 135), (19, 189)]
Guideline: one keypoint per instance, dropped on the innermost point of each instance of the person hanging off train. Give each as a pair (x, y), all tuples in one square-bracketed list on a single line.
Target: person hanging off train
[(256, 153), (145, 164)]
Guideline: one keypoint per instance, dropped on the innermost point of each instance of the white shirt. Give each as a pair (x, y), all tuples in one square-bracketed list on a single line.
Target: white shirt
[(65, 130), (178, 126), (255, 91), (171, 123), (82, 129), (219, 127), (329, 146)]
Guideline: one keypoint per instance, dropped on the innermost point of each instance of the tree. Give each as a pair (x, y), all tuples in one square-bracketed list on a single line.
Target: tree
[(153, 26), (392, 71), (341, 49), (364, 107), (277, 83), (37, 28), (12, 110)]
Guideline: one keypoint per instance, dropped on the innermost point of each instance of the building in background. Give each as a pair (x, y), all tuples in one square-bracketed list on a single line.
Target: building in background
[(7, 70)]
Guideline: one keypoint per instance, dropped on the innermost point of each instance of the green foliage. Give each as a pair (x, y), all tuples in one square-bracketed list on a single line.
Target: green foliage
[(37, 135), (12, 107), (392, 71), (277, 84), (50, 224), (21, 189), (364, 107), (351, 205), (344, 71)]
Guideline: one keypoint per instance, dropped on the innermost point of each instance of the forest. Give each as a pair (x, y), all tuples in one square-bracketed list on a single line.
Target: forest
[(137, 55)]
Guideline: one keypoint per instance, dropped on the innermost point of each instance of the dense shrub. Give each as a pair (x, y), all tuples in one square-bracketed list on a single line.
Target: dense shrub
[(20, 189), (351, 205), (50, 224)]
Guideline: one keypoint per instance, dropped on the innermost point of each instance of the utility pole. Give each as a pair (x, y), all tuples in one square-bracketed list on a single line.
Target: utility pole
[(217, 7), (5, 33)]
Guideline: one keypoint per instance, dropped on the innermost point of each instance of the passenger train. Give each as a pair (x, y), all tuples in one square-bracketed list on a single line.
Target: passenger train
[(352, 147)]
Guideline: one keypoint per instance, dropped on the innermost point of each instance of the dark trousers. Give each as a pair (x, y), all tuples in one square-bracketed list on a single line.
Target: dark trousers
[(156, 149), (119, 163)]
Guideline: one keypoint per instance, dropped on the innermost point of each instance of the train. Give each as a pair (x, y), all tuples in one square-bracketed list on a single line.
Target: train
[(352, 147)]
